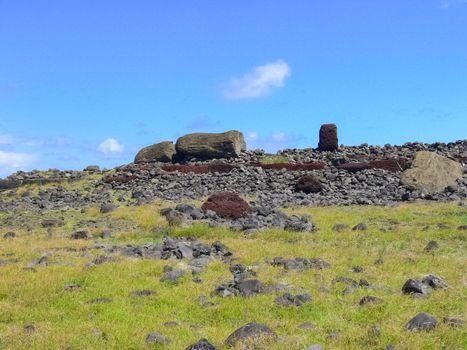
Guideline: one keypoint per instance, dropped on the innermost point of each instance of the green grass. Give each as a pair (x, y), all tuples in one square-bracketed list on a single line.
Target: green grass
[(274, 159), (65, 319)]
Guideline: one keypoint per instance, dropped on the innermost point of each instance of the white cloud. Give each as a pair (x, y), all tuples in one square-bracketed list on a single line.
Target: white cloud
[(252, 136), (259, 81), (274, 141), (13, 161), (110, 147)]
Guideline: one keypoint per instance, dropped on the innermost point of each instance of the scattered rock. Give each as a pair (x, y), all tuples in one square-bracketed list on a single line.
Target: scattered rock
[(453, 322), (431, 246), (340, 227), (157, 338), (414, 286), (360, 227), (250, 287), (173, 275), (307, 325), (107, 208), (315, 347), (421, 322), (369, 299), (100, 300), (82, 234), (143, 293), (203, 344), (434, 282), (29, 328), (72, 287), (9, 235), (288, 299), (301, 263), (251, 333), (308, 184)]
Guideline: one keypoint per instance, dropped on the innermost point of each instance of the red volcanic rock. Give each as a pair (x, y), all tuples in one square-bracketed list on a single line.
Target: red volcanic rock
[(328, 137), (199, 169), (393, 165), (292, 167), (354, 167), (308, 184), (119, 179), (227, 205)]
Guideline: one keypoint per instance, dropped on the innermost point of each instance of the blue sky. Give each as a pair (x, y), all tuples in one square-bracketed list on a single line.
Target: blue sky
[(90, 82)]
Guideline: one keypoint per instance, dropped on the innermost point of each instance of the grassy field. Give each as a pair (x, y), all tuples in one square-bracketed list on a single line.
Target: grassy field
[(396, 236)]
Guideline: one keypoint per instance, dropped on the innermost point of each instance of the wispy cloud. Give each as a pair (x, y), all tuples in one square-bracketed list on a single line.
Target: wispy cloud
[(110, 147), (14, 161), (446, 4), (272, 142), (258, 82), (6, 139)]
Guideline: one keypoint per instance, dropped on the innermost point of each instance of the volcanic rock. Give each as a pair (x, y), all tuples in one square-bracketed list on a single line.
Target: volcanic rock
[(308, 184), (251, 332), (227, 205), (421, 322)]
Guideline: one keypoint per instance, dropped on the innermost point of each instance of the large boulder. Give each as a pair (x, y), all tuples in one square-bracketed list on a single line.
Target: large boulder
[(328, 137), (431, 172), (210, 145), (159, 152), (227, 205)]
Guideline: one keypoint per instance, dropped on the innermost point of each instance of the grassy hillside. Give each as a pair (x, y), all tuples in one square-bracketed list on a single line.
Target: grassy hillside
[(390, 251)]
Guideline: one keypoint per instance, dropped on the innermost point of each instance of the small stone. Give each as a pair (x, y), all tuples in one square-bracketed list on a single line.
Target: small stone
[(107, 208), (250, 287), (422, 322), (375, 331), (370, 300), (157, 338), (203, 344), (340, 227), (143, 293), (431, 246), (315, 347), (453, 322), (360, 227), (29, 328), (9, 235), (171, 324), (72, 287), (414, 286), (357, 269), (251, 332), (105, 234), (100, 300), (307, 325), (434, 282), (347, 290), (173, 276), (82, 234)]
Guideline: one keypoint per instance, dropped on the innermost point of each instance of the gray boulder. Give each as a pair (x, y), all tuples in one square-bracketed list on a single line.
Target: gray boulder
[(432, 173), (211, 145), (421, 322), (159, 152)]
